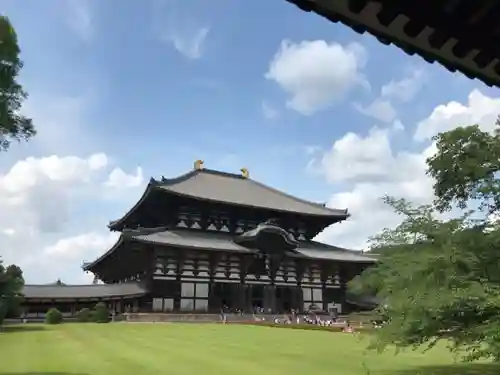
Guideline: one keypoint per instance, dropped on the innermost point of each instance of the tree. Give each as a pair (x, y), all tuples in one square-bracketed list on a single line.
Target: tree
[(13, 126), (11, 285), (440, 278), (53, 316), (465, 168), (100, 314)]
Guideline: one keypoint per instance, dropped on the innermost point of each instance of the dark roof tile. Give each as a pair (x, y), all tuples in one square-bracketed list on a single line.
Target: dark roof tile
[(238, 190), (82, 291), (224, 242)]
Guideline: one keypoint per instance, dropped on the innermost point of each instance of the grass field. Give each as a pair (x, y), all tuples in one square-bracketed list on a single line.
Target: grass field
[(190, 349)]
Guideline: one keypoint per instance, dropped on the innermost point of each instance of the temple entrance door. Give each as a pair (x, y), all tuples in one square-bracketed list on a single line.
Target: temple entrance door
[(257, 292), (222, 296), (284, 298)]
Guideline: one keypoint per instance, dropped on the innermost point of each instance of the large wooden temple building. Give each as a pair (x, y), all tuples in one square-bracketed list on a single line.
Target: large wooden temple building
[(461, 35), (210, 240)]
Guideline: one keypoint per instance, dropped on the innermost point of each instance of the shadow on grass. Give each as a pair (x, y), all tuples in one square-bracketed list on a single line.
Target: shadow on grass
[(458, 369), (41, 373), (20, 328)]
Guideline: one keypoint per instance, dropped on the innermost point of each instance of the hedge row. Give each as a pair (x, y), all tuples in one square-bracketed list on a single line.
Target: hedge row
[(99, 314)]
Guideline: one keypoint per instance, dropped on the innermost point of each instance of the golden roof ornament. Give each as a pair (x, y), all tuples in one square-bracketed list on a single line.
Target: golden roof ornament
[(245, 173), (198, 165)]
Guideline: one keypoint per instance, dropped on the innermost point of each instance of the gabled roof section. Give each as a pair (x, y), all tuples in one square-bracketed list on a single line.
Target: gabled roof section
[(319, 250), (225, 242), (83, 291), (234, 189), (223, 187)]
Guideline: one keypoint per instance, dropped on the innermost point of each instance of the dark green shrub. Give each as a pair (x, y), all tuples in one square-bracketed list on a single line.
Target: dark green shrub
[(53, 316), (100, 314), (84, 315)]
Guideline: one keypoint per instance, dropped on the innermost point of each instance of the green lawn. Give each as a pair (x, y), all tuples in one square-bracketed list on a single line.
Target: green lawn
[(190, 349)]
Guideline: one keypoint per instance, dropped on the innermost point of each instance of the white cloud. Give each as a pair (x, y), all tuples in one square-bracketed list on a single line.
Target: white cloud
[(405, 89), (78, 17), (118, 179), (479, 109), (380, 109), (373, 168), (37, 192), (8, 231), (269, 111), (29, 173), (354, 158), (402, 91), (376, 170), (315, 73), (82, 247), (41, 201), (397, 125), (189, 43)]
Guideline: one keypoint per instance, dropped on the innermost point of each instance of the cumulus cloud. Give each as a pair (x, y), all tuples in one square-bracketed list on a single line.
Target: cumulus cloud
[(382, 172), (40, 204), (373, 167), (315, 74), (380, 109), (479, 109), (405, 89), (395, 91), (37, 192), (82, 247), (120, 180)]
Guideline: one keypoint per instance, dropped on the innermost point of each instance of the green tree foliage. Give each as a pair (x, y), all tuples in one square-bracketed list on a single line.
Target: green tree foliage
[(465, 168), (100, 314), (53, 316), (11, 285), (13, 126), (440, 278)]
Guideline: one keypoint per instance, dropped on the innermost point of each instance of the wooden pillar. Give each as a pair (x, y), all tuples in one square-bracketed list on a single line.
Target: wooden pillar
[(343, 280)]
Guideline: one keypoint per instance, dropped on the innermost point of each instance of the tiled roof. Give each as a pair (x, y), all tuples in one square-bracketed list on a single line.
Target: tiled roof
[(193, 239), (239, 190), (217, 241), (82, 291)]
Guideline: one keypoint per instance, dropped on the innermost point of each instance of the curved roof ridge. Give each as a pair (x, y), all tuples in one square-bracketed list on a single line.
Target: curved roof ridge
[(142, 231), (152, 183), (332, 247), (165, 182), (298, 199), (87, 265)]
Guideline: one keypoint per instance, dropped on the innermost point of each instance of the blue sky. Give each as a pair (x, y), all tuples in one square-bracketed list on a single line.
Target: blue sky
[(159, 84)]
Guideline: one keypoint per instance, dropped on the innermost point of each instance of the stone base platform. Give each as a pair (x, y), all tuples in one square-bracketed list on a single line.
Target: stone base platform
[(196, 318)]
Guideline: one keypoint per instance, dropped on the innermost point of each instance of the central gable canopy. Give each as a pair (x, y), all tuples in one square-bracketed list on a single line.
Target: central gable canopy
[(268, 238)]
